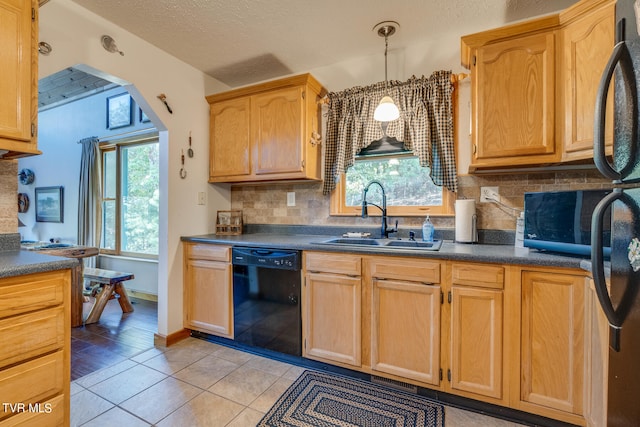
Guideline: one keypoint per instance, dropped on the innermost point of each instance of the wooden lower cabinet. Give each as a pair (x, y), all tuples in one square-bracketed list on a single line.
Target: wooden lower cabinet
[(476, 330), (596, 359), (405, 330), (331, 311), (208, 289), (35, 332), (552, 344)]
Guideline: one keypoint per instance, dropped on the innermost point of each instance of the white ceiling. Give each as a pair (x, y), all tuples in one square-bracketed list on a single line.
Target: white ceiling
[(244, 41)]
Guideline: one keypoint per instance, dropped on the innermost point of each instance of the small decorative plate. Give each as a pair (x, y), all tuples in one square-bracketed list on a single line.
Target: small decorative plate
[(23, 202), (26, 176)]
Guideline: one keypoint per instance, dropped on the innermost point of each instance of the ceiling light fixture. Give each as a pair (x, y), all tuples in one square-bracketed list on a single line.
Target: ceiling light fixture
[(386, 111)]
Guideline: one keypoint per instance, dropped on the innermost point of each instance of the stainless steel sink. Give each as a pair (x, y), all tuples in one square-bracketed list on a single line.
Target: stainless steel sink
[(414, 244), (391, 244), (353, 241)]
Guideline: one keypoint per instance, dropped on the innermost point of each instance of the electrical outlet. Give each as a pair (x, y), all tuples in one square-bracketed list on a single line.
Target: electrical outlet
[(291, 198), (489, 194), (201, 199)]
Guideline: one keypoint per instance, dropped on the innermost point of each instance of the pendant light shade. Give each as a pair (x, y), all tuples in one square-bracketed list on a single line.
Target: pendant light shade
[(386, 111)]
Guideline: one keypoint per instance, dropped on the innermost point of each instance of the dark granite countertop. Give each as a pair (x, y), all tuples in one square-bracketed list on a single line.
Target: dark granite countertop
[(16, 262), (505, 254)]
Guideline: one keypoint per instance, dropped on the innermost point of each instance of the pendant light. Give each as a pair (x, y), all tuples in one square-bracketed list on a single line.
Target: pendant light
[(386, 111)]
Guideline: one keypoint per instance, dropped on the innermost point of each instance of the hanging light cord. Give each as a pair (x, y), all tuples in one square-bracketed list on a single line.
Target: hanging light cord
[(386, 46)]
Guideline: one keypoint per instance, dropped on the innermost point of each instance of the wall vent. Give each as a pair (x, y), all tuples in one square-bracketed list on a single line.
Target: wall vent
[(399, 385)]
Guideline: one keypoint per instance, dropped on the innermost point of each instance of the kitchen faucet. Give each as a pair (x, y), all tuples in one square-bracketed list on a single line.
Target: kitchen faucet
[(384, 230)]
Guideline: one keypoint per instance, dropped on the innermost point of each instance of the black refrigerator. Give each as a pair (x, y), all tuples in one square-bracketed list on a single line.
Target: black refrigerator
[(621, 302)]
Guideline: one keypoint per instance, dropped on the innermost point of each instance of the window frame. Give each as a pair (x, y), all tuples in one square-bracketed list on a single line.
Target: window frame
[(338, 205), (117, 147)]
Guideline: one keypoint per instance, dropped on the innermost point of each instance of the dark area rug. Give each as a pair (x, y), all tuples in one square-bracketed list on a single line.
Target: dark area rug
[(319, 399)]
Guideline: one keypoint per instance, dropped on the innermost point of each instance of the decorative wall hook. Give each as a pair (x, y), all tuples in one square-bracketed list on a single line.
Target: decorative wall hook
[(162, 97)]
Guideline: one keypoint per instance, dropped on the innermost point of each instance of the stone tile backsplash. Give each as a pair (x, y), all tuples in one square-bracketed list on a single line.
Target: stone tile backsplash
[(267, 203), (8, 196)]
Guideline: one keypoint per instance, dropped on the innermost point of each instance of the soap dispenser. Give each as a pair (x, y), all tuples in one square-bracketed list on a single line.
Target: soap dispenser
[(427, 230)]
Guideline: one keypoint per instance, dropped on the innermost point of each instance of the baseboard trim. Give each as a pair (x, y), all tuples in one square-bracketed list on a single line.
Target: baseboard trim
[(142, 295), (171, 339)]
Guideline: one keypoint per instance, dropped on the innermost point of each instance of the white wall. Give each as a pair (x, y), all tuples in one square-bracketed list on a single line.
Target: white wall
[(74, 33)]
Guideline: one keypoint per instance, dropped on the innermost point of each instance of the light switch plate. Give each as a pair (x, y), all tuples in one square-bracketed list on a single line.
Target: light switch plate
[(291, 198), (202, 198)]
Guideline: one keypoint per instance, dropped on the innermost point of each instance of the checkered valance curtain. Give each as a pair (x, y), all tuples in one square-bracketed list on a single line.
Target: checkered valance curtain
[(425, 125)]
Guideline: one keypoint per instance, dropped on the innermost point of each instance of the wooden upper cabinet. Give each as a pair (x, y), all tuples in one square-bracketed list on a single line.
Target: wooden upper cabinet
[(278, 125), (514, 93), (267, 132), (18, 77), (534, 85), (229, 124), (587, 44)]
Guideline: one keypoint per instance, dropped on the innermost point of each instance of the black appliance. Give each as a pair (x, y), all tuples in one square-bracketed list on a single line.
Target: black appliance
[(266, 299), (560, 221), (621, 303)]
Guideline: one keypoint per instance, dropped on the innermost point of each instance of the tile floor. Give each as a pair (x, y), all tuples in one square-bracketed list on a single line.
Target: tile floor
[(197, 383)]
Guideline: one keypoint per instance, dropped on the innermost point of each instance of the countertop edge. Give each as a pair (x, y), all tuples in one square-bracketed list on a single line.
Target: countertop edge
[(504, 254), (19, 263)]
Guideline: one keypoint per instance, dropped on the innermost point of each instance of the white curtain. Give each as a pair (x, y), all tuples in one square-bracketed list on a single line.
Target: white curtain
[(90, 197)]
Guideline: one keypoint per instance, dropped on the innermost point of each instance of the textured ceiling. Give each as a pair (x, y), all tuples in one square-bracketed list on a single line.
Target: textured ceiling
[(240, 42), (245, 41)]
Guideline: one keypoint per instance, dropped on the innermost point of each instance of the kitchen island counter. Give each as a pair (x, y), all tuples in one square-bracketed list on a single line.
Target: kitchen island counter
[(18, 262)]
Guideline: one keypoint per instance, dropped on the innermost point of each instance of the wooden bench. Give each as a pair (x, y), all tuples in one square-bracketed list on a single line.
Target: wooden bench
[(110, 286)]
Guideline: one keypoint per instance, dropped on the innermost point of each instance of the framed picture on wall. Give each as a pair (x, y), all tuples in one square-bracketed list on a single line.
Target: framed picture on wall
[(50, 204), (119, 111)]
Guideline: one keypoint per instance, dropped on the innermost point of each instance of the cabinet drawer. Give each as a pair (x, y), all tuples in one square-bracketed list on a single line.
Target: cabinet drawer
[(482, 275), (207, 251), (32, 381), (338, 263), (30, 335), (51, 413), (22, 294), (416, 270)]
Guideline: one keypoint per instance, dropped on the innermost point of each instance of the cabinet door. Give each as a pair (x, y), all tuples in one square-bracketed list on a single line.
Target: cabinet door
[(229, 154), (208, 297), (405, 336), (332, 318), (277, 127), (476, 340), (18, 75), (586, 46), (514, 99), (552, 341), (597, 360)]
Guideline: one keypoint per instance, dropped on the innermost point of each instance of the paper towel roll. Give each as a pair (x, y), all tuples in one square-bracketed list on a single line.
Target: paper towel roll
[(466, 221)]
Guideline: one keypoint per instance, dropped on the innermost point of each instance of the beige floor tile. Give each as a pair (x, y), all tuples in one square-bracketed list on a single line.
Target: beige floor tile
[(455, 417), (248, 417), (198, 344), (126, 384), (206, 372), (151, 353), (265, 401), (161, 399), (85, 406), (271, 366), (233, 355), (293, 373), (101, 375), (175, 359), (116, 417), (243, 385), (205, 410), (75, 388)]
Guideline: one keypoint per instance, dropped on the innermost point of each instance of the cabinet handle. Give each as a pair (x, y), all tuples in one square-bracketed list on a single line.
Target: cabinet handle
[(449, 297), (33, 129), (449, 375), (474, 148)]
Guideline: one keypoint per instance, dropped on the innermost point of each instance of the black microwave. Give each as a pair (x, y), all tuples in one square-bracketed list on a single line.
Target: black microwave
[(560, 221)]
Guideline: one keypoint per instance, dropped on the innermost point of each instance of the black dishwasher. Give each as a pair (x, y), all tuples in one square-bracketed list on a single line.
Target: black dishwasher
[(266, 299)]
